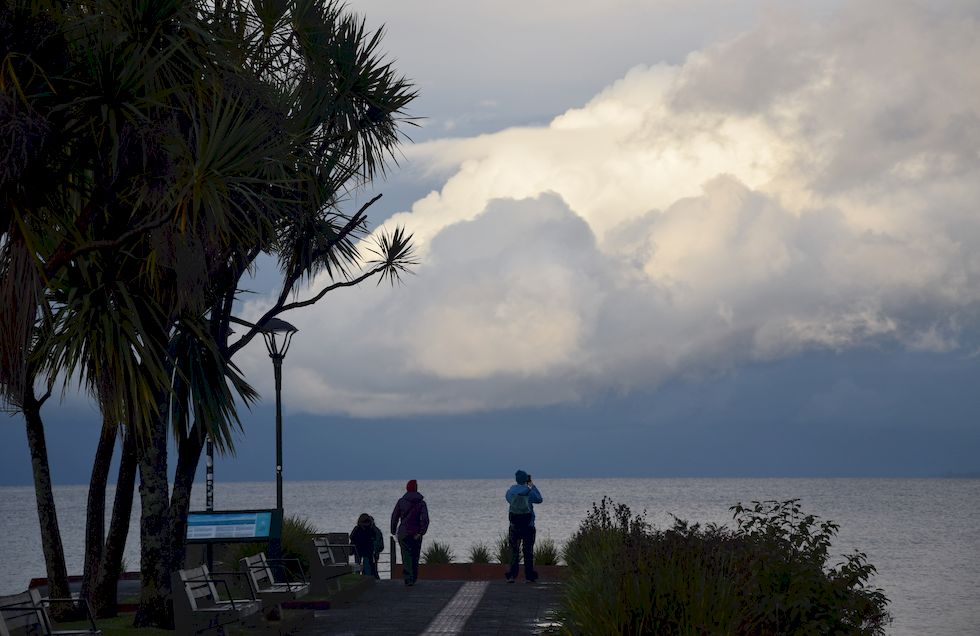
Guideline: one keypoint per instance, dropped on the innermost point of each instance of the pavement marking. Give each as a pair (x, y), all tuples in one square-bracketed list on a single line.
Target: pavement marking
[(453, 616)]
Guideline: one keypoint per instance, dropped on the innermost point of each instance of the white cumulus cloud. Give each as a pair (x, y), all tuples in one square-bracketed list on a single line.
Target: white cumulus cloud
[(808, 184)]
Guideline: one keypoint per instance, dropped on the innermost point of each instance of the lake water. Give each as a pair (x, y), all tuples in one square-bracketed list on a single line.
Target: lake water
[(923, 535)]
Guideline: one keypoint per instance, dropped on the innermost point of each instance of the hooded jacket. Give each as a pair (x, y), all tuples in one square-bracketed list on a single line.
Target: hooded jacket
[(367, 541), (410, 516), (534, 496)]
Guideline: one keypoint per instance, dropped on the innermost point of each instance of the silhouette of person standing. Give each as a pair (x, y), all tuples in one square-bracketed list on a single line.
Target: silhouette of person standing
[(409, 521), (521, 498)]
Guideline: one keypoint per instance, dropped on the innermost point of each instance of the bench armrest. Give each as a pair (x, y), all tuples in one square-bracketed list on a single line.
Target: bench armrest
[(222, 579), (222, 576), (281, 563)]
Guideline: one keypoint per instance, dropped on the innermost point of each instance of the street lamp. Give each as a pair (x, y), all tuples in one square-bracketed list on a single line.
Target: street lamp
[(278, 334)]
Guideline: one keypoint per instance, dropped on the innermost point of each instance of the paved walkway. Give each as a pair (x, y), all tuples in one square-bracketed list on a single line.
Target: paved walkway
[(473, 608)]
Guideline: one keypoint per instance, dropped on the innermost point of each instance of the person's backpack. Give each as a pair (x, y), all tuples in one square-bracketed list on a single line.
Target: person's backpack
[(520, 509)]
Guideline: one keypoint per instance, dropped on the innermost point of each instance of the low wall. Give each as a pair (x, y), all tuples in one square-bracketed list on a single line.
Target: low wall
[(477, 572)]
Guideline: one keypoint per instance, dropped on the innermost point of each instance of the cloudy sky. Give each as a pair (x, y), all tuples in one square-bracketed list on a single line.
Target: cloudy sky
[(691, 238), (609, 213)]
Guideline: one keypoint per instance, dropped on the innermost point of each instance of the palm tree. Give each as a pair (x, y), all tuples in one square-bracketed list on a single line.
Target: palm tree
[(32, 57), (175, 143), (341, 103), (117, 246)]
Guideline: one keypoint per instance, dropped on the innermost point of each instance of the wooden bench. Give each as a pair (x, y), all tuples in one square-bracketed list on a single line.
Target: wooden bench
[(330, 559), (268, 587), (198, 607), (26, 613)]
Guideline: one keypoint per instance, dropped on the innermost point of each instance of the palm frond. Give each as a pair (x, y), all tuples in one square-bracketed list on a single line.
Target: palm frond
[(205, 386), (168, 144), (111, 342), (396, 254), (21, 294)]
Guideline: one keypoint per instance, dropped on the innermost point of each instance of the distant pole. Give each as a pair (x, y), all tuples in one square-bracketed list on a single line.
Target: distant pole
[(209, 491), (209, 474)]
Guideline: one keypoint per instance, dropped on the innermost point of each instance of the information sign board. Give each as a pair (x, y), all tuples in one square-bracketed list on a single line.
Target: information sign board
[(220, 526)]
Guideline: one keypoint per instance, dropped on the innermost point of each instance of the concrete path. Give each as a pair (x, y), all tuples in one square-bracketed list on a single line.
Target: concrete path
[(474, 608)]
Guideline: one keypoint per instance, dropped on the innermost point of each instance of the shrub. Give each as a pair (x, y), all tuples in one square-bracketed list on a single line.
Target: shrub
[(438, 553), (545, 552), (503, 550), (479, 553), (296, 533), (767, 576)]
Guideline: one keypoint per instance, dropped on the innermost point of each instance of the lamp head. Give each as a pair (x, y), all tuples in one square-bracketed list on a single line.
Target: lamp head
[(278, 334)]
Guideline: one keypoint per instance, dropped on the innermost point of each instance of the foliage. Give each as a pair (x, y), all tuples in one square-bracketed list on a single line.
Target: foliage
[(153, 151), (503, 550), (295, 541), (768, 576), (438, 552), (546, 552), (479, 553)]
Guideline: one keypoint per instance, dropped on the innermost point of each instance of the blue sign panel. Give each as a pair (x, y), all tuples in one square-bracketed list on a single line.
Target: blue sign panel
[(234, 525)]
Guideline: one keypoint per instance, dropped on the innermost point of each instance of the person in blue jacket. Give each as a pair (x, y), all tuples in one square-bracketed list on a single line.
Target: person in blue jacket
[(521, 498)]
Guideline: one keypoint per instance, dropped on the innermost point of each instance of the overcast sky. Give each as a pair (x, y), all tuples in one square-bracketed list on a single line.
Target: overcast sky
[(664, 221)]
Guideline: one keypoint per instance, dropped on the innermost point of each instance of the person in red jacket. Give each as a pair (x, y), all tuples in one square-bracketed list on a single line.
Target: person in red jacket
[(409, 521)]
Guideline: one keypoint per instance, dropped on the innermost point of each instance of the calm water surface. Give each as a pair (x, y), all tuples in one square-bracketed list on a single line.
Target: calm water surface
[(922, 535)]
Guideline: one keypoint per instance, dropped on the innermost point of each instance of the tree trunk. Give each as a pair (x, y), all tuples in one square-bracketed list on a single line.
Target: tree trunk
[(155, 605), (105, 597), (188, 457), (54, 553), (95, 510)]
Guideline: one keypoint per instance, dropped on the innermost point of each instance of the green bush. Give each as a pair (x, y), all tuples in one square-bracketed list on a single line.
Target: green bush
[(503, 550), (438, 553), (545, 552), (768, 576), (296, 533), (479, 553)]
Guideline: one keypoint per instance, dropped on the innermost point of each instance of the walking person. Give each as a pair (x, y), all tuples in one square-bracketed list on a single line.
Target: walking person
[(409, 521), (521, 498), (368, 544)]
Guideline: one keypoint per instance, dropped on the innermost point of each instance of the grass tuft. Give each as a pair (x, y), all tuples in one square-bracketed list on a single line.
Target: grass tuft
[(546, 552), (503, 550), (438, 552), (479, 553)]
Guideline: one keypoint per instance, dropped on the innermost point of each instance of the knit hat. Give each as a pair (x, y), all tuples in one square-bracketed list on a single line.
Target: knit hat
[(521, 477), (412, 486)]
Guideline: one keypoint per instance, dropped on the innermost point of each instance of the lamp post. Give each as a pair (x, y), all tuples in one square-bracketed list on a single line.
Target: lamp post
[(278, 334)]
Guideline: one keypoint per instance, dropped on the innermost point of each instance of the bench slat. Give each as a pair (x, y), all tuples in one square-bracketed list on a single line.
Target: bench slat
[(200, 607)]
